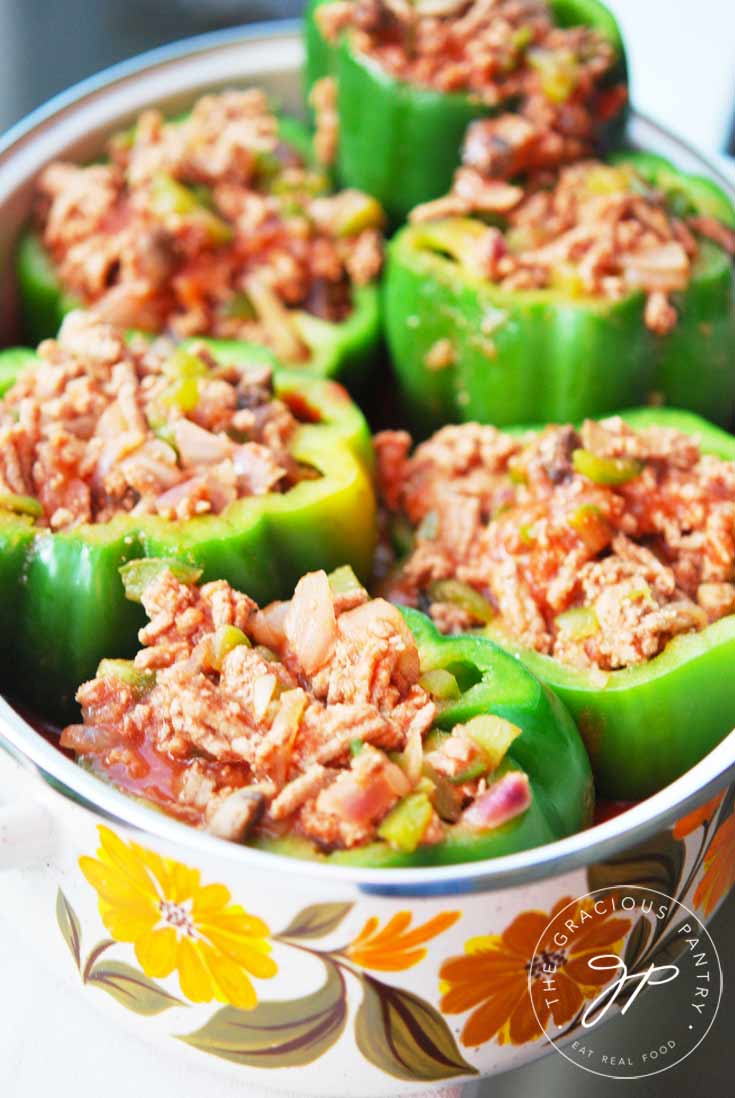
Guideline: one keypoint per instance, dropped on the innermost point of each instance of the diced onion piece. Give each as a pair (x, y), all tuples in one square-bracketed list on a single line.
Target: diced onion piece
[(405, 825), (89, 739), (198, 447), (493, 735), (609, 471), (463, 596), (440, 684), (503, 801), (21, 505), (310, 624), (264, 690), (276, 318), (136, 575)]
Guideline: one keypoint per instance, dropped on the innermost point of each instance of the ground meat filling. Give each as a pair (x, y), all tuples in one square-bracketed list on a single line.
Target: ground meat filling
[(102, 426), (595, 547), (209, 226), (304, 718), (597, 230), (496, 51)]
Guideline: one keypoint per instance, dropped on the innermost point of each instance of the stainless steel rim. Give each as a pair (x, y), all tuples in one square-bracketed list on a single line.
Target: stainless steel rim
[(18, 156)]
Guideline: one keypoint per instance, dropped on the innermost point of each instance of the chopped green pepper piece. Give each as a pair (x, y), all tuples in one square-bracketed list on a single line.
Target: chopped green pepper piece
[(21, 505), (463, 596), (226, 638), (405, 825), (138, 574), (605, 470), (125, 670), (356, 747)]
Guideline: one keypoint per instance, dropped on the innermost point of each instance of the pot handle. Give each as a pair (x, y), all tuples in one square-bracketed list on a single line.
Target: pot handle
[(26, 827)]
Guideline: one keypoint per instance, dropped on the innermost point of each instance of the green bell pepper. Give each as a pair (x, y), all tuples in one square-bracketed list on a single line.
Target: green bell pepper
[(548, 355), (646, 725), (548, 750), (64, 606), (344, 351), (401, 142)]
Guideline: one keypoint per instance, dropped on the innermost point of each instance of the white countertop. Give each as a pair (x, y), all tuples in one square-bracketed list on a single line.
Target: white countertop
[(51, 1043)]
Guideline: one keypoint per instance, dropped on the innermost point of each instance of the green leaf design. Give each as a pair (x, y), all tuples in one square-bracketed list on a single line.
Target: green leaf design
[(316, 920), (132, 988), (279, 1033), (656, 863), (637, 942), (405, 1036), (69, 926)]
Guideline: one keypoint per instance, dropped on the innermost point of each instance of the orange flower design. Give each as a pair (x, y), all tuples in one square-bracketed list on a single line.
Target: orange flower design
[(719, 868), (697, 817), (491, 978), (396, 947)]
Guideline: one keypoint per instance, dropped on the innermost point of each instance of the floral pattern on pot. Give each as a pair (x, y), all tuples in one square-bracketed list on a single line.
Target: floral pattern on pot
[(491, 978), (178, 924)]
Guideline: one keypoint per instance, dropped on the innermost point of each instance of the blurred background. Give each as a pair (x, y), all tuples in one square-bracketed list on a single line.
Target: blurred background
[(682, 56)]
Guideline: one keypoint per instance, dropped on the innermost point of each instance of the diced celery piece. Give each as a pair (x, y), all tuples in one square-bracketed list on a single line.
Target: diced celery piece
[(183, 395), (171, 198), (440, 684), (493, 735), (125, 670), (605, 470), (402, 535), (405, 825), (357, 211), (558, 71), (589, 522), (225, 639), (183, 364), (21, 505), (343, 581), (476, 769), (356, 746), (136, 575), (578, 623), (240, 307), (463, 596)]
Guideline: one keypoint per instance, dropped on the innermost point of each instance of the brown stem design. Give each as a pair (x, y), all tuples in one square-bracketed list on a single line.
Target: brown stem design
[(94, 955)]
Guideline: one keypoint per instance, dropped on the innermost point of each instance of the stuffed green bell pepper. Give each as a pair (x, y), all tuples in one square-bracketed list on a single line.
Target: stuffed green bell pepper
[(395, 86), (597, 293), (112, 451), (332, 727), (603, 557), (219, 225)]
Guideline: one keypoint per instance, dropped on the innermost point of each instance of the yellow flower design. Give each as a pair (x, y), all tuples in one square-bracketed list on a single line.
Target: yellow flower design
[(396, 947), (177, 923)]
